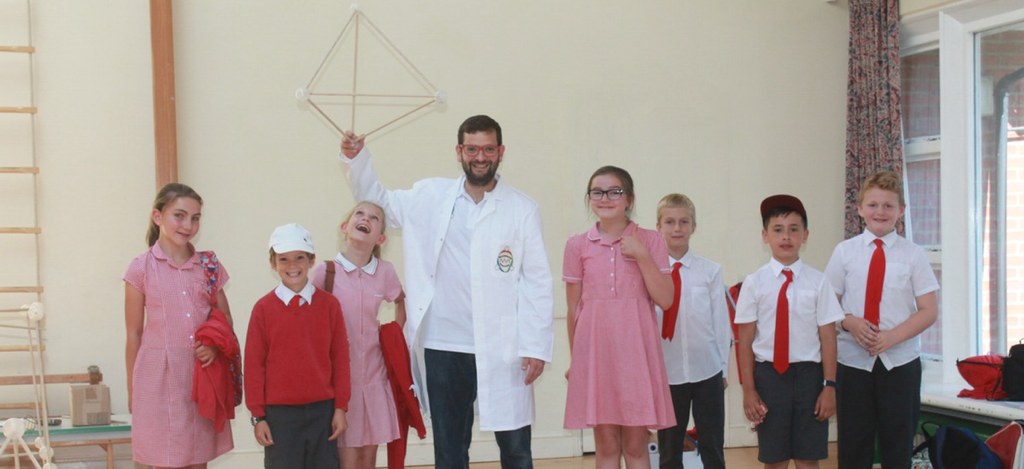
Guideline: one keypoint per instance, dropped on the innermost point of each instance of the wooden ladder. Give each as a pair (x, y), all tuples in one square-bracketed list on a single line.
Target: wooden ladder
[(22, 171), (15, 315)]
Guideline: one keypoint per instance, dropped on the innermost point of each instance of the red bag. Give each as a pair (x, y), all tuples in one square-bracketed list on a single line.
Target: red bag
[(1008, 445), (985, 375)]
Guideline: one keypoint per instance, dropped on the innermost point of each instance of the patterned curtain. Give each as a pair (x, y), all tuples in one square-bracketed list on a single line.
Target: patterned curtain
[(873, 124)]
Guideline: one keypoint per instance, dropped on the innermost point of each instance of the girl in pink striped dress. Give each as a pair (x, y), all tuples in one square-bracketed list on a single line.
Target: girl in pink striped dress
[(165, 301), (362, 282), (614, 274)]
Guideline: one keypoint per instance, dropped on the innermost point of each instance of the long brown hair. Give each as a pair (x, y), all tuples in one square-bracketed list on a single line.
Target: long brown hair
[(168, 194)]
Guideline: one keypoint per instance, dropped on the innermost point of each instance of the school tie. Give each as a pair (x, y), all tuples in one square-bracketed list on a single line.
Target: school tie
[(668, 323), (294, 303), (781, 359), (876, 278)]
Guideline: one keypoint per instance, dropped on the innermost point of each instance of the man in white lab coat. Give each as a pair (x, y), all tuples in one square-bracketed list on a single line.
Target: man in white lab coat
[(478, 293)]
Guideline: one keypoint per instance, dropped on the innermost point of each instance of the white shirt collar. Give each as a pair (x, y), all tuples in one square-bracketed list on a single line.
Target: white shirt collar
[(286, 294), (777, 267), (346, 264), (687, 259), (888, 239)]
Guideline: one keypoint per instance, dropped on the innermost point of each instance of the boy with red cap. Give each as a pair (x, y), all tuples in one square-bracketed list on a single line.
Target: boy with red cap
[(786, 314)]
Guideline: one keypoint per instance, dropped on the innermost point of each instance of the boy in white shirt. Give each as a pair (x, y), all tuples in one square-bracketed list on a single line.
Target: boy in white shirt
[(888, 290), (695, 340), (786, 314)]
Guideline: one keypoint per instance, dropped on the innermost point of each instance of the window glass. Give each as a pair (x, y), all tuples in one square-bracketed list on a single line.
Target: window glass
[(999, 120), (920, 111), (920, 94)]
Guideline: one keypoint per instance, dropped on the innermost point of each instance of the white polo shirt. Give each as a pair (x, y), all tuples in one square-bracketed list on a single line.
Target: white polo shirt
[(908, 275), (700, 347), (812, 303)]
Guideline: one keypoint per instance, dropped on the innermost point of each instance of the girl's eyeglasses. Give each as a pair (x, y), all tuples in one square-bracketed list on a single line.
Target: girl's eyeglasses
[(613, 194)]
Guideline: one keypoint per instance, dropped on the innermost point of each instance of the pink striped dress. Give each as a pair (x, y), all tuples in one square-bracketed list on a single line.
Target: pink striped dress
[(372, 415), (167, 429), (617, 375)]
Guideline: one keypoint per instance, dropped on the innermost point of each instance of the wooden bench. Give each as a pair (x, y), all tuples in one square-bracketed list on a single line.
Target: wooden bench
[(119, 432), (65, 435)]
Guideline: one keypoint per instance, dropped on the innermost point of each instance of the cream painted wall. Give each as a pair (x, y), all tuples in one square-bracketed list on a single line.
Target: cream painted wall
[(911, 7), (93, 135), (727, 105)]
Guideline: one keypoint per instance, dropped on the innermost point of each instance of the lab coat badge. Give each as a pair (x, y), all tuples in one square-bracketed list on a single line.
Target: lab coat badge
[(505, 260)]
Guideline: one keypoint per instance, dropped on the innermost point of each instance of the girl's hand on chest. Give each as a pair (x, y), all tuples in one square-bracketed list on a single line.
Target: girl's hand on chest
[(632, 248)]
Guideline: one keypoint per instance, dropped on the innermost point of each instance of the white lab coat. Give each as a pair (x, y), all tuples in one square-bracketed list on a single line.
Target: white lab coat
[(512, 304)]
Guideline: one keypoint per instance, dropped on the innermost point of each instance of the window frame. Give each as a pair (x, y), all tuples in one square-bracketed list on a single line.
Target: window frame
[(917, 150), (953, 31)]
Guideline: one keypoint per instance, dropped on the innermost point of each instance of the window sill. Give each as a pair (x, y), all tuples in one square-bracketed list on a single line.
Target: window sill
[(941, 399)]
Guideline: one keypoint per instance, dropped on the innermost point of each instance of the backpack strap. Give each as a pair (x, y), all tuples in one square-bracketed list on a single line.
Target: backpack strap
[(929, 437), (211, 267), (329, 276)]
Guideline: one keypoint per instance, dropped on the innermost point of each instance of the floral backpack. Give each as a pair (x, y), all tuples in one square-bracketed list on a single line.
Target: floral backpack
[(211, 267)]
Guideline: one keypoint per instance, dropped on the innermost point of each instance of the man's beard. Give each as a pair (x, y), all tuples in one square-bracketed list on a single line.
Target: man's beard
[(483, 180)]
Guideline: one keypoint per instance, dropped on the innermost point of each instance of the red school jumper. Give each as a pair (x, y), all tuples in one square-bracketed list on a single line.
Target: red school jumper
[(295, 354)]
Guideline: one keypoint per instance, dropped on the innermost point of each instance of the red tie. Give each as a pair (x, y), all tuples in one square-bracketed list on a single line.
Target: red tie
[(876, 278), (294, 302), (668, 323), (781, 360)]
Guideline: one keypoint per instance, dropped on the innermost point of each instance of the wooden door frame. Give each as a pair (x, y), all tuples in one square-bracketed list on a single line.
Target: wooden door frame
[(165, 130)]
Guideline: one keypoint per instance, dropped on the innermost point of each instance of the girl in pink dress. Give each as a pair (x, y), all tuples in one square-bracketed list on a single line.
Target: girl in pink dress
[(165, 300), (361, 282), (614, 274)]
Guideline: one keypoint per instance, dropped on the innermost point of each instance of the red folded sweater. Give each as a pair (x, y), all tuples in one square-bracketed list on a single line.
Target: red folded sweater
[(213, 388)]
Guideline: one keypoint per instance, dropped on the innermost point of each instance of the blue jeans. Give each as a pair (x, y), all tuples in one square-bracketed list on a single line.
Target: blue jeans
[(451, 389)]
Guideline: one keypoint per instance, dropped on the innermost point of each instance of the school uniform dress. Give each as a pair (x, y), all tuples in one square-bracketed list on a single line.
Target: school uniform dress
[(617, 375), (789, 430), (167, 429), (879, 394), (696, 361), (372, 416)]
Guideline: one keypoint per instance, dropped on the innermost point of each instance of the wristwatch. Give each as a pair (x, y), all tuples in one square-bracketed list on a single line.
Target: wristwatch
[(256, 420), (827, 382)]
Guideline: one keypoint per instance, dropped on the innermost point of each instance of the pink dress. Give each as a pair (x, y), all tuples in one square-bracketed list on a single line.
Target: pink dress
[(617, 374), (372, 416), (167, 429)]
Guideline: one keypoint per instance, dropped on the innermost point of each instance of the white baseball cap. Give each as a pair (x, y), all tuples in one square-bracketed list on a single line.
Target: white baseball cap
[(291, 237)]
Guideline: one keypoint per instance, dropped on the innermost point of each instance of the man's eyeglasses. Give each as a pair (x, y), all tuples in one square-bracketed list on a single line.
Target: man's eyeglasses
[(613, 194), (473, 150)]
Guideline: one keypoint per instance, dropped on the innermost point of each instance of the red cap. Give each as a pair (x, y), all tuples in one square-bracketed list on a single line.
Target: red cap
[(782, 201)]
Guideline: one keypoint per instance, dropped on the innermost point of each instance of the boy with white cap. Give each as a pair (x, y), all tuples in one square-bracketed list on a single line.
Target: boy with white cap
[(296, 361)]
